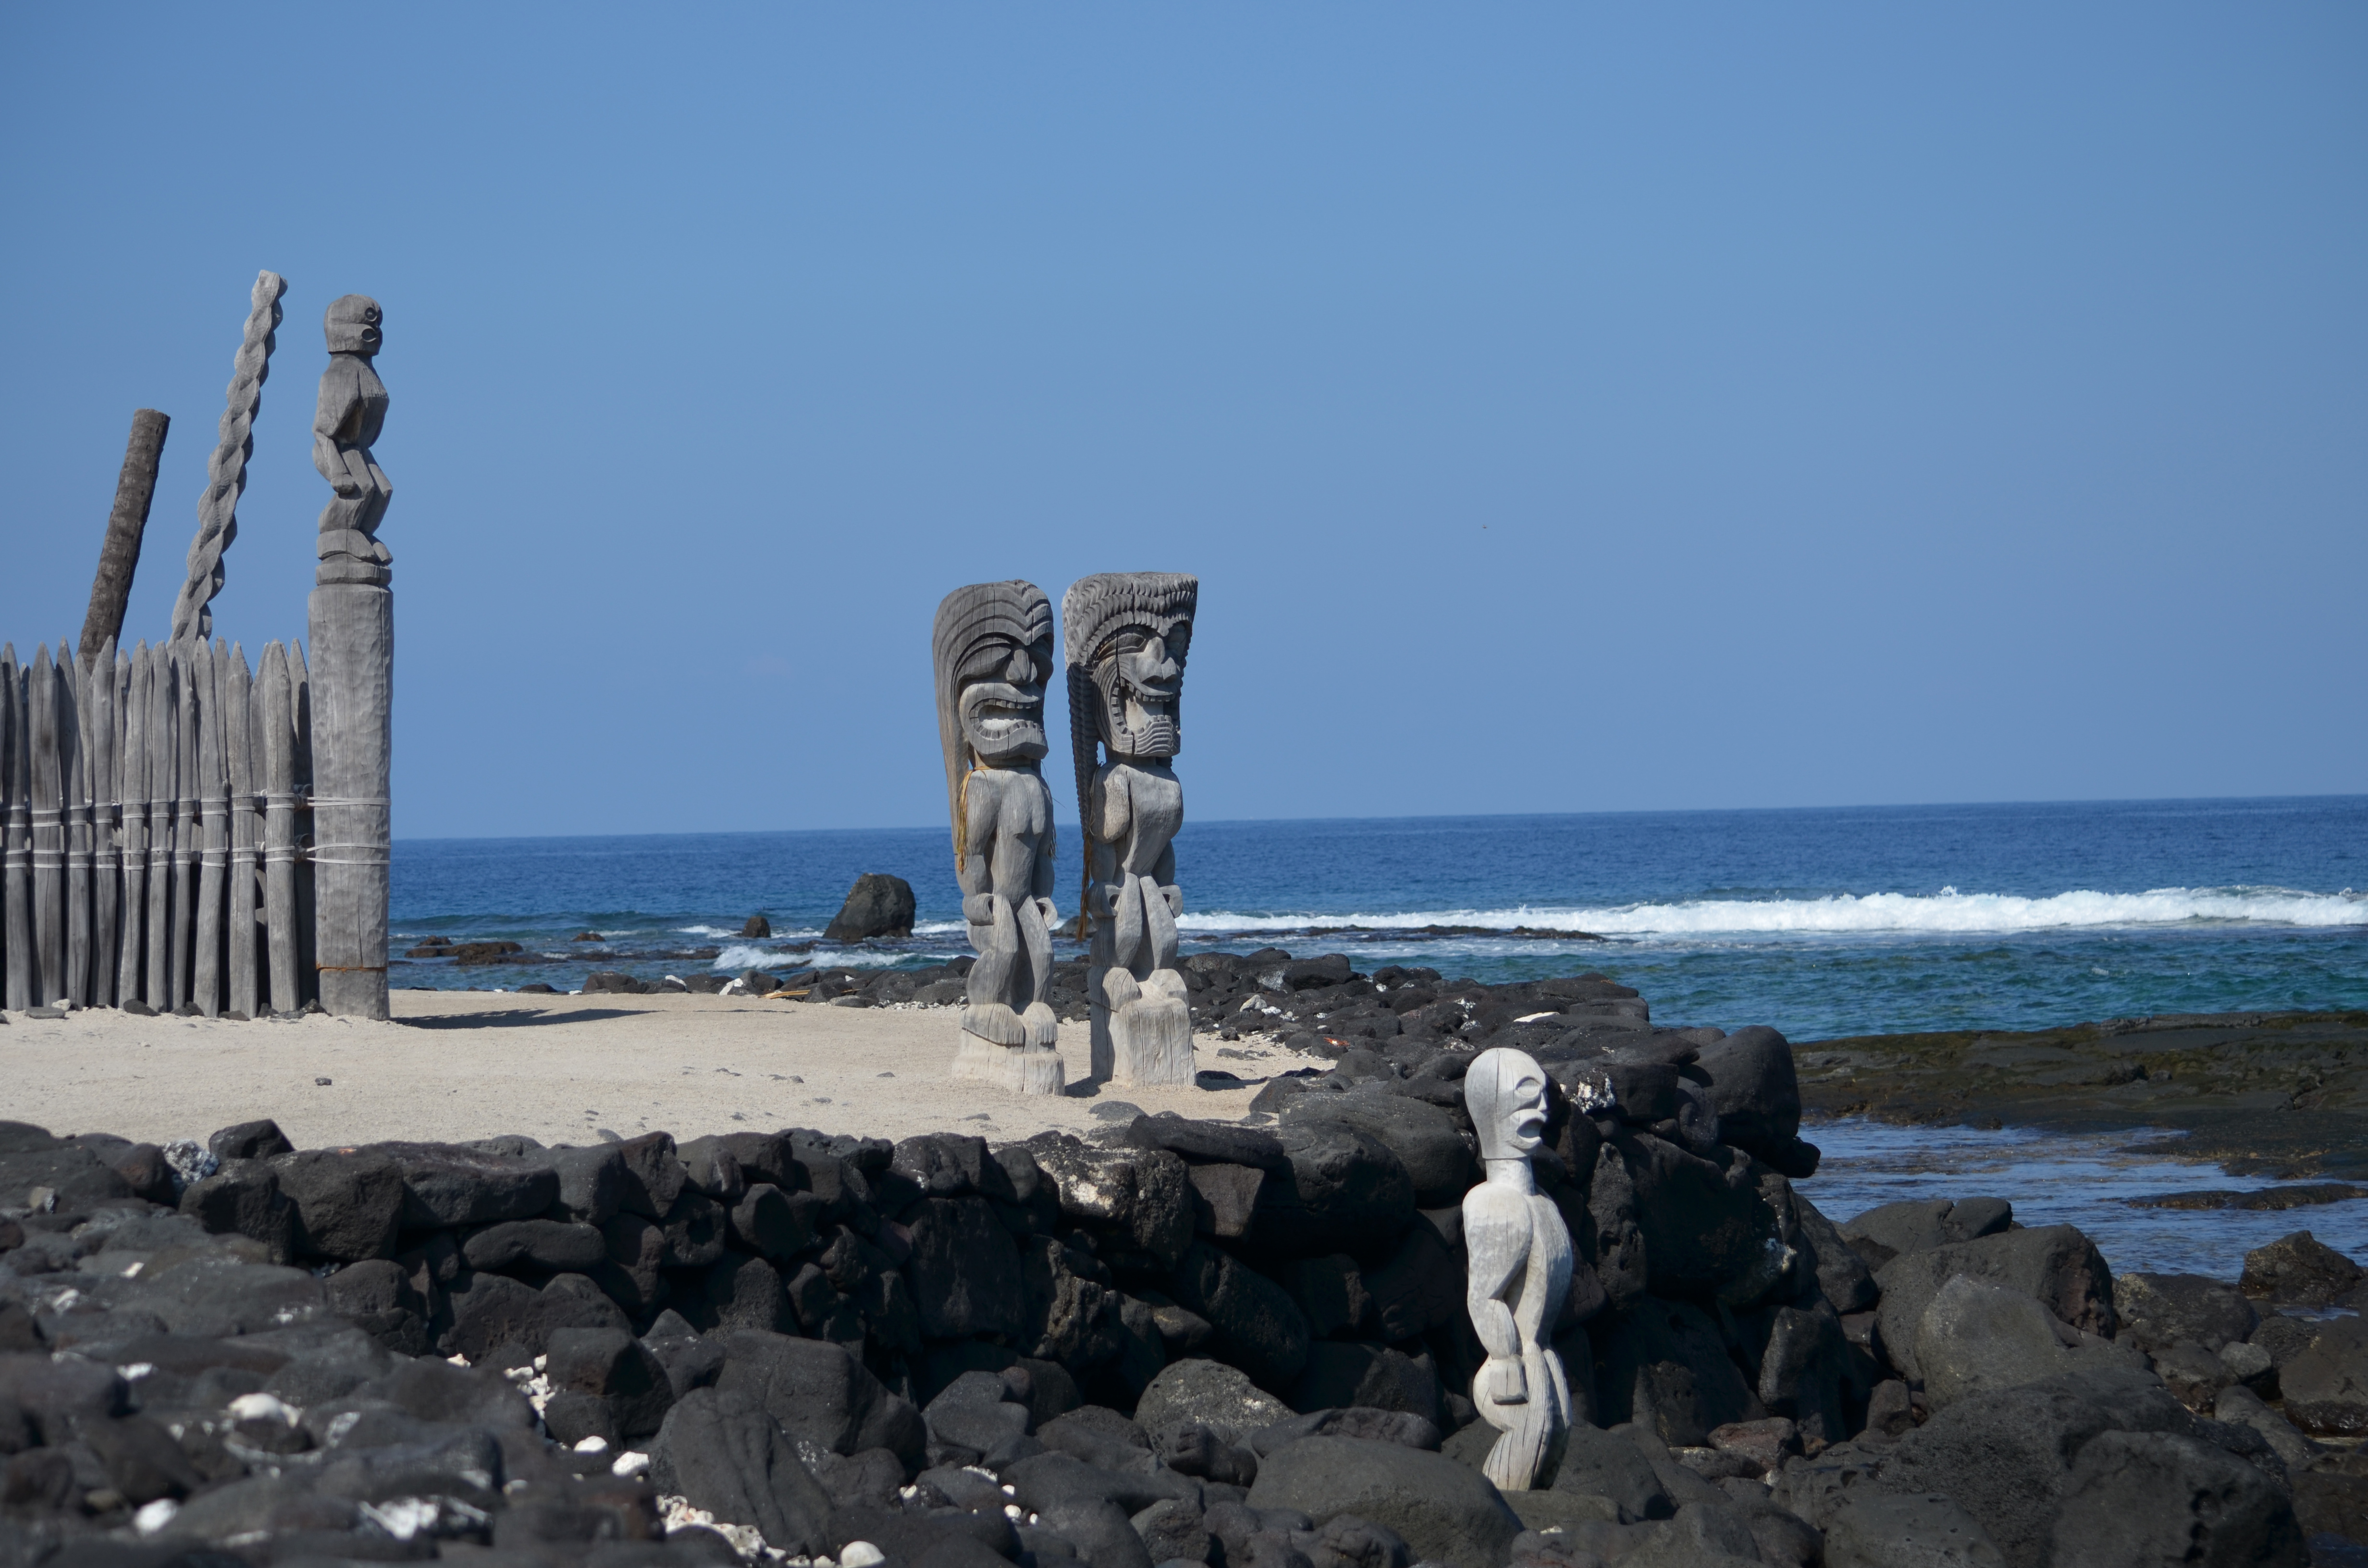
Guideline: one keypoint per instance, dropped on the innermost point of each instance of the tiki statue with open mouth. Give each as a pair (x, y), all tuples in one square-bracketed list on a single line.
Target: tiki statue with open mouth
[(1126, 635), (993, 651)]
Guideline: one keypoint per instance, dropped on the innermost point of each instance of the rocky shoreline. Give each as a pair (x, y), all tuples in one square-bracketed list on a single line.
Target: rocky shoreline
[(1173, 1341)]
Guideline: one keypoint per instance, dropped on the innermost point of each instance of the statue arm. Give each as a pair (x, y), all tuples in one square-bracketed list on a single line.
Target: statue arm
[(976, 870), (340, 405), (1163, 873), (1112, 815), (1497, 1237)]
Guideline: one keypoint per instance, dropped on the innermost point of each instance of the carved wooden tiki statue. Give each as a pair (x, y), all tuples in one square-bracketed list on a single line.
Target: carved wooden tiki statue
[(1126, 634), (993, 651), (1519, 1253)]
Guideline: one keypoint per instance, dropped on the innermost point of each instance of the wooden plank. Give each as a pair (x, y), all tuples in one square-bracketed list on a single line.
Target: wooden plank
[(16, 862), (104, 684), (74, 772), (213, 832), (184, 820), (48, 832), (277, 726), (132, 969), (308, 827), (161, 755), (246, 829)]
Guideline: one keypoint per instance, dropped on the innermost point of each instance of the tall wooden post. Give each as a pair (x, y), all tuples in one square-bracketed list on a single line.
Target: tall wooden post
[(119, 554), (161, 755), (352, 626), (213, 830)]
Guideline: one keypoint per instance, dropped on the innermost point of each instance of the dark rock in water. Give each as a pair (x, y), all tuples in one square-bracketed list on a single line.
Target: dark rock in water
[(2299, 1270), (2141, 1498), (2054, 1265), (757, 929), (2159, 1309), (2300, 1195), (1444, 1511), (587, 936), (2327, 1386), (474, 953), (721, 1452), (878, 906)]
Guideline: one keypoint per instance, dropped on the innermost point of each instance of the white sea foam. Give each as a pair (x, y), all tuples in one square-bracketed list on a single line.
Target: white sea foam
[(1945, 912), (740, 956)]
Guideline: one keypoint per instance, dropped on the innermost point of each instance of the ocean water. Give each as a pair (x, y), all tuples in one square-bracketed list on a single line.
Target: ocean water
[(1824, 922), (2089, 1180)]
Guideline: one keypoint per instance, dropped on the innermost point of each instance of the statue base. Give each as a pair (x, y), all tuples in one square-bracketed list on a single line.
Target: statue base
[(1147, 1041), (1021, 1069)]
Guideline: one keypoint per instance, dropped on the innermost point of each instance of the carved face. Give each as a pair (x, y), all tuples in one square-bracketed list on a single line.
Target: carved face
[(1505, 1091), (1002, 699), (1139, 670), (353, 326)]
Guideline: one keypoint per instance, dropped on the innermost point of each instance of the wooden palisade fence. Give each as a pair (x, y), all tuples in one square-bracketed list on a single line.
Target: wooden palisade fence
[(155, 821), (157, 805)]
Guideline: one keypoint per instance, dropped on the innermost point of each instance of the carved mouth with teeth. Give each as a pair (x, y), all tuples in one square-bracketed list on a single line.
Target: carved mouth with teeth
[(1004, 722)]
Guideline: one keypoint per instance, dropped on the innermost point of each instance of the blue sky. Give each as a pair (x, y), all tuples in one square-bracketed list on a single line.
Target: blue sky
[(1565, 407)]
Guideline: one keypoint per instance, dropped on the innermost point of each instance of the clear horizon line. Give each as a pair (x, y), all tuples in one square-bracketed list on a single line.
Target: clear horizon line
[(1457, 816)]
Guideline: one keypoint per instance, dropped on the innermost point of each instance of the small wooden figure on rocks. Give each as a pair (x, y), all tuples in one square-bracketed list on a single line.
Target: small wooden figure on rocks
[(993, 648), (1127, 634), (1519, 1253)]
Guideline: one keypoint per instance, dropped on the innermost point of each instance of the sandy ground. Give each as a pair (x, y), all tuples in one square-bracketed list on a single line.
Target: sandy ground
[(456, 1065)]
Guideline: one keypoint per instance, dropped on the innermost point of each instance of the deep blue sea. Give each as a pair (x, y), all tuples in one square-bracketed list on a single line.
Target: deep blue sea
[(1823, 922)]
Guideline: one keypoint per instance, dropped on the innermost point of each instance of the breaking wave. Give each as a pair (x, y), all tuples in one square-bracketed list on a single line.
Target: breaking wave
[(1947, 911)]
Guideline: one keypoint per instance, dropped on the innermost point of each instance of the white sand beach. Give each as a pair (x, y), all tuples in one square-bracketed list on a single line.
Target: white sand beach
[(458, 1065)]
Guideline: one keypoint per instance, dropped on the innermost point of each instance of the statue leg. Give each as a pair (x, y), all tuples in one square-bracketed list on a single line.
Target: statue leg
[(1151, 1037), (1033, 1067), (989, 1027)]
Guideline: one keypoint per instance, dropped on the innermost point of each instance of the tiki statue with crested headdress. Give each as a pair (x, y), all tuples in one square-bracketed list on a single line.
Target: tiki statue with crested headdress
[(993, 647), (1126, 635)]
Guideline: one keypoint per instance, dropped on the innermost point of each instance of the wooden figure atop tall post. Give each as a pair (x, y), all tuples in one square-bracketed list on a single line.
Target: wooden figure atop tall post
[(1127, 634), (992, 650), (352, 624)]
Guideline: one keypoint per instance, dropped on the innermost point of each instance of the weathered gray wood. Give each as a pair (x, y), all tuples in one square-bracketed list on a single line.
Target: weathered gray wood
[(245, 836), (132, 969), (277, 726), (992, 645), (213, 830), (1519, 1274), (74, 771), (162, 756), (119, 553), (352, 637), (1127, 634), (49, 833), (226, 470), (16, 862), (105, 687), (308, 827), (185, 819)]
